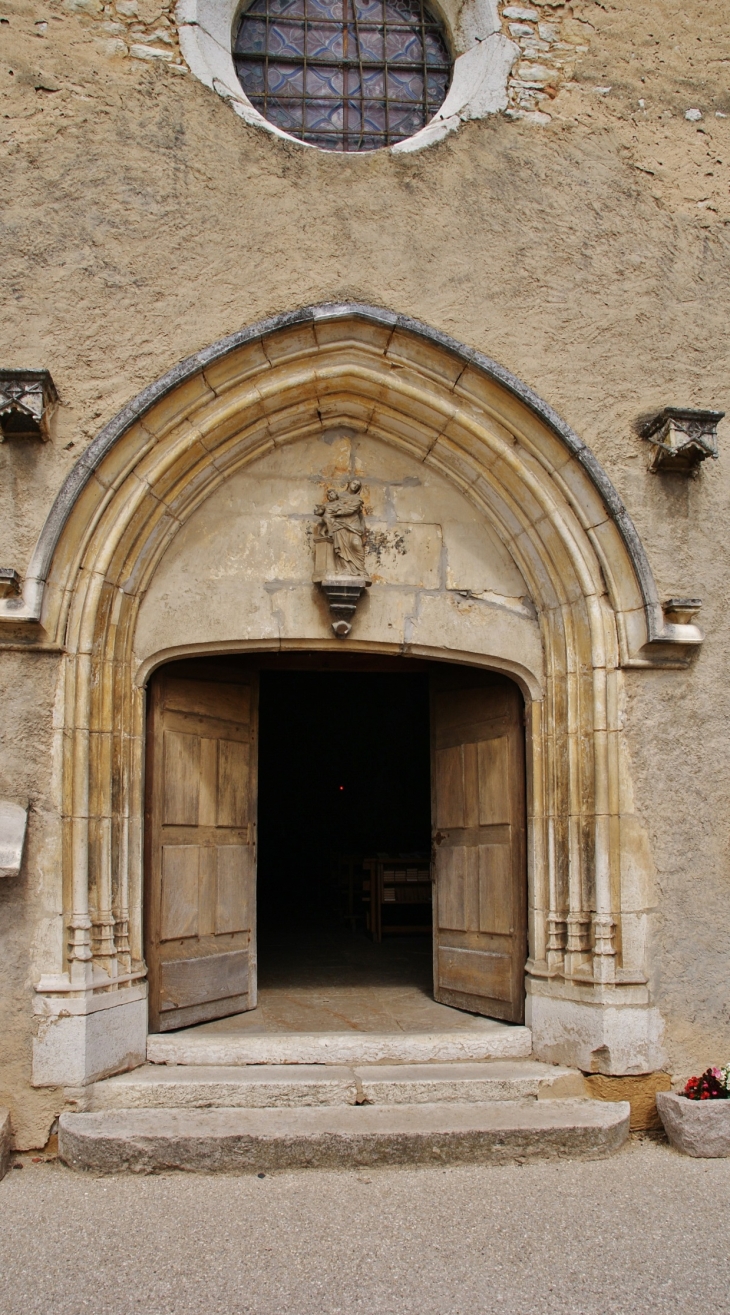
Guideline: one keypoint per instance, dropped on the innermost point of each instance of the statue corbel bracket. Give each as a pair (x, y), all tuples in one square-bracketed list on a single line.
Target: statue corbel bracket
[(343, 593), (28, 399), (339, 554), (682, 438)]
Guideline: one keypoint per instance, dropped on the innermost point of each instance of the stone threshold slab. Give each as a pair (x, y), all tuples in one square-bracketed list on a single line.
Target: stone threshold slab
[(251, 1141), (159, 1086), (493, 1041)]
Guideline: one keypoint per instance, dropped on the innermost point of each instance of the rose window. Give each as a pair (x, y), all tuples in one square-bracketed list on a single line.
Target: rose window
[(346, 75)]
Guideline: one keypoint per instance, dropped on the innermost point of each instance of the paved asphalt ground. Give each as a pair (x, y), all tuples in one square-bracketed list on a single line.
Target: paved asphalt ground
[(646, 1231)]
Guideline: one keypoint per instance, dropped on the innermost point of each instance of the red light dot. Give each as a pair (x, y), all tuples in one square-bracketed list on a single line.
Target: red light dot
[(342, 787)]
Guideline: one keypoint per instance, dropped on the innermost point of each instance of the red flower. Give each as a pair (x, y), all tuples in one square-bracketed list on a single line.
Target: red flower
[(707, 1087)]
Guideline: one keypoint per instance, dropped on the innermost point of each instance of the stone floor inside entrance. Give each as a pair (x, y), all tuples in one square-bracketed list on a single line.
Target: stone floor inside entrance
[(335, 980)]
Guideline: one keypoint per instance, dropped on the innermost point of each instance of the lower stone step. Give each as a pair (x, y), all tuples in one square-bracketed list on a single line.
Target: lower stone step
[(186, 1086), (261, 1140), (483, 1039)]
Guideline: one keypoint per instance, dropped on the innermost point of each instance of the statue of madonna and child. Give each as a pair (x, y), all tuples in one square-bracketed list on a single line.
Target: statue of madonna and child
[(341, 529)]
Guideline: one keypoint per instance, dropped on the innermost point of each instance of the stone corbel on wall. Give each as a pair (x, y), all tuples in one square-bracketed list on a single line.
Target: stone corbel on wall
[(682, 438), (674, 638), (10, 582), (13, 822), (27, 401)]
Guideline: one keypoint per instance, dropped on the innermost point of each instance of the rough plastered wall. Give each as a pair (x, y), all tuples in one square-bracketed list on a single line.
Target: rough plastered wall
[(588, 250)]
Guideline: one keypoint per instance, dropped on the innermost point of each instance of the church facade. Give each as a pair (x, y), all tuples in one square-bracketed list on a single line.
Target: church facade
[(428, 366)]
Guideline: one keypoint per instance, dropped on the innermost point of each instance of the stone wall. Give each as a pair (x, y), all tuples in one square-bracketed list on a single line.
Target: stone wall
[(550, 34), (142, 220), (138, 29)]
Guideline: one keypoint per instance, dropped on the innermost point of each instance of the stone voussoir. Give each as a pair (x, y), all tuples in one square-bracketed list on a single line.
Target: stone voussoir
[(248, 1141)]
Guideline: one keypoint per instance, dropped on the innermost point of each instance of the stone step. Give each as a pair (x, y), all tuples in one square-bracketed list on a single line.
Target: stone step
[(156, 1086), (261, 1140), (484, 1039), (494, 1080)]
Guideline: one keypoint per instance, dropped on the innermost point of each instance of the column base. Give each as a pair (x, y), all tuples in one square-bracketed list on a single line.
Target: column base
[(84, 1038), (611, 1036)]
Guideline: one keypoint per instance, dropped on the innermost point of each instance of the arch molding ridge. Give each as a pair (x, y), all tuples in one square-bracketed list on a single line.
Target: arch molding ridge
[(646, 638)]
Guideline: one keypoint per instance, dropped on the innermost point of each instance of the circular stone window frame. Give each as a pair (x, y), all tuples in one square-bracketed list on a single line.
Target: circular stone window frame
[(483, 58)]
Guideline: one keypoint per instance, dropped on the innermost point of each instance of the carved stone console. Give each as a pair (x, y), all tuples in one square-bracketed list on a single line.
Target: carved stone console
[(343, 595), (13, 820), (339, 554), (10, 582), (681, 611), (27, 401), (682, 438)]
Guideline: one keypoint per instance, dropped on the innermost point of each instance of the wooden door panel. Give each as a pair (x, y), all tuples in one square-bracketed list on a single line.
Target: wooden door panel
[(480, 932), (181, 779), (233, 783), (204, 980), (209, 698), (449, 770), (207, 892), (200, 904), (494, 781), (208, 781), (453, 888), (233, 886), (180, 878), (459, 969), (496, 896)]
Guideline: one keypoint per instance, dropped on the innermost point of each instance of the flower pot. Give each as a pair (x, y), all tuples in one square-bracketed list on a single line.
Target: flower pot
[(696, 1127)]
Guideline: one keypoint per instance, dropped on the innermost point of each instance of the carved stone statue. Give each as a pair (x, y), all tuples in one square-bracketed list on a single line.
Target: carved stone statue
[(339, 553), (342, 525), (343, 519)]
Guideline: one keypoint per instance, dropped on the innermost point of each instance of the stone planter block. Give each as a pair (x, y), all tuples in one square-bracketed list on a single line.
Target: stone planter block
[(696, 1127)]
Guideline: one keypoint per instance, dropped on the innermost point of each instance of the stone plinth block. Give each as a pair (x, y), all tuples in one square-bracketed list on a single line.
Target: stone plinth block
[(639, 1090), (73, 1049), (4, 1141), (13, 820), (696, 1127)]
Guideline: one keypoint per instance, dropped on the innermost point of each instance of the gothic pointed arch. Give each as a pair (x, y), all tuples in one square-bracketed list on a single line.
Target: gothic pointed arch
[(542, 492)]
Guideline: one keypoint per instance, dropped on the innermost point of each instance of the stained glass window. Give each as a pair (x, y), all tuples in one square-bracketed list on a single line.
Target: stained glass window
[(347, 75)]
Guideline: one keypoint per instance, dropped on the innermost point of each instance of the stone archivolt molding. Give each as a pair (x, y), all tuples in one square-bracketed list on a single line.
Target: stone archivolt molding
[(533, 480)]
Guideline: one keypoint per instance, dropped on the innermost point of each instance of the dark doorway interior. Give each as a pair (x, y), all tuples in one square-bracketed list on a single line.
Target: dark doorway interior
[(344, 774)]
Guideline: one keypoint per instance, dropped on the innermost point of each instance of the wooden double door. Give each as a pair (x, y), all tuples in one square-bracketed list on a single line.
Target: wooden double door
[(200, 845)]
